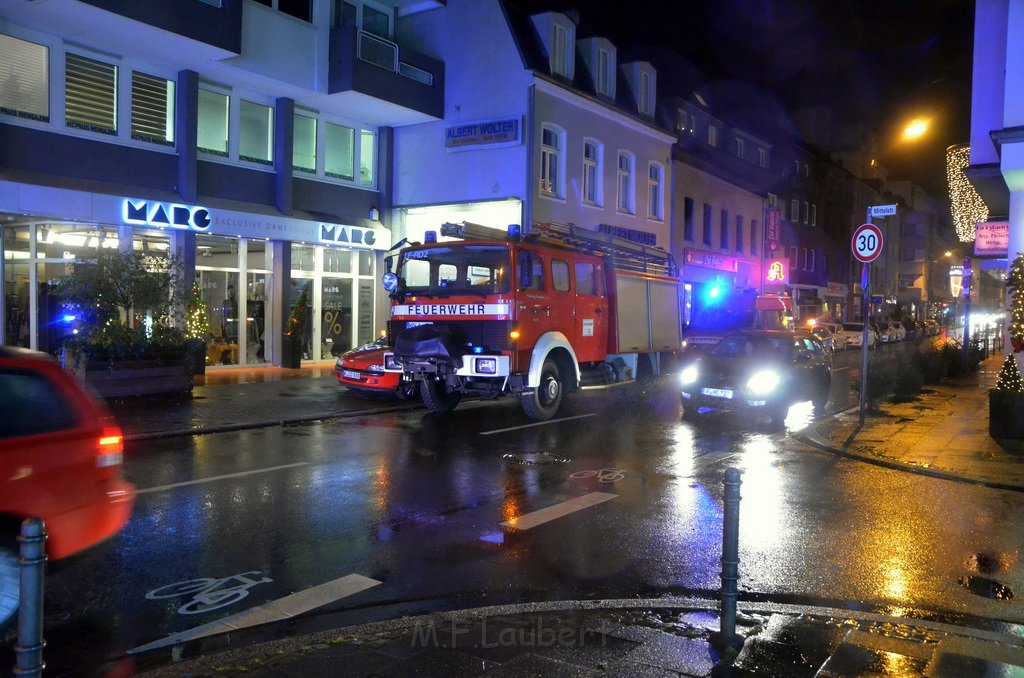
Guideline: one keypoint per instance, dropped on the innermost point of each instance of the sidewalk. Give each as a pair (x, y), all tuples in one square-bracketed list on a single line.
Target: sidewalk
[(943, 433)]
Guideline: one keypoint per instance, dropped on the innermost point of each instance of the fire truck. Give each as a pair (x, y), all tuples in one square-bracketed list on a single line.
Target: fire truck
[(719, 311), (535, 314)]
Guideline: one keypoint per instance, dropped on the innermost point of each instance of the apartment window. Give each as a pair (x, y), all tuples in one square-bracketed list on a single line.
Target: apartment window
[(762, 158), (339, 151), (655, 178), (739, 233), (753, 236), (367, 157), (551, 161), (376, 22), (740, 147), (707, 224), (604, 70), (688, 219), (625, 183), (810, 260), (814, 214), (592, 172), (300, 9), (90, 94), (804, 252), (723, 231), (807, 170), (152, 109), (794, 210), (646, 93), (304, 144), (794, 263), (796, 168), (773, 200), (805, 213), (560, 51), (255, 133), (686, 122), (213, 122), (712, 135), (24, 90)]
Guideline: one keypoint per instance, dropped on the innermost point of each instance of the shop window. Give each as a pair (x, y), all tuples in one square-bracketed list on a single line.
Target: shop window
[(337, 261), (213, 122), (152, 109), (304, 145), (256, 133), (303, 257), (376, 22), (24, 91), (365, 262), (300, 9), (90, 94)]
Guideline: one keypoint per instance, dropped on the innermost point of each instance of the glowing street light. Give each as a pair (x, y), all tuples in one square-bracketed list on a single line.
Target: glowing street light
[(915, 129)]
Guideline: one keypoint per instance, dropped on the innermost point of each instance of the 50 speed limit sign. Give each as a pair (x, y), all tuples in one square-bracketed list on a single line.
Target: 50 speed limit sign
[(867, 243)]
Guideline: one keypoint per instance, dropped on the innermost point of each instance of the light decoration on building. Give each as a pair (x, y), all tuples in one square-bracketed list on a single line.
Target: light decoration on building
[(966, 205)]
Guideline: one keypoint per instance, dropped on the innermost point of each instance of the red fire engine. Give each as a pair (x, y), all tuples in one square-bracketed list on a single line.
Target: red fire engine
[(533, 315)]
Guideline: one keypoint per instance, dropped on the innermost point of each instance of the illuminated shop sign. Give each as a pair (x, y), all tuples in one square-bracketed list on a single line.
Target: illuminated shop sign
[(632, 234), (992, 238), (777, 272), (489, 133), (695, 257), (164, 215), (347, 235)]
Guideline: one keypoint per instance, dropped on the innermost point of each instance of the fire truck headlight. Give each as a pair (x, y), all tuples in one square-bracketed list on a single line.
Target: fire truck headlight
[(486, 365), (688, 375), (763, 382)]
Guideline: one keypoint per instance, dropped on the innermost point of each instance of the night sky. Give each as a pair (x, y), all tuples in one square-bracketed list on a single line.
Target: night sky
[(868, 64)]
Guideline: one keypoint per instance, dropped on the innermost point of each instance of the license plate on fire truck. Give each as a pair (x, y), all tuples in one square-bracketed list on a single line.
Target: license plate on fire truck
[(717, 392)]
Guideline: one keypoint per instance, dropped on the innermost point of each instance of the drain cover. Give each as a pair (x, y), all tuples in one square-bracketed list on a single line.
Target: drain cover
[(533, 458)]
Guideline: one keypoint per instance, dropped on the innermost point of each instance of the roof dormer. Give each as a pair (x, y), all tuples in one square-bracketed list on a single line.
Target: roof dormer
[(599, 56), (558, 35), (642, 79)]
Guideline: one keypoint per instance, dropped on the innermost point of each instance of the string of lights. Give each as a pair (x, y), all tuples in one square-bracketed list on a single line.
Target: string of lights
[(966, 205)]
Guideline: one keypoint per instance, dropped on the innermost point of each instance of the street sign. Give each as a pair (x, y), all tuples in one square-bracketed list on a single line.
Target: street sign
[(883, 210), (867, 243)]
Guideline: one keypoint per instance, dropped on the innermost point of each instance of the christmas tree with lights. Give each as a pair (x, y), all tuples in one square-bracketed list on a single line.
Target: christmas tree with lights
[(197, 316), (1009, 376), (1015, 283)]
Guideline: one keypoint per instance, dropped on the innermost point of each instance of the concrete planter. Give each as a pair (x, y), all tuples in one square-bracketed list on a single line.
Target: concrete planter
[(123, 378), (1005, 414)]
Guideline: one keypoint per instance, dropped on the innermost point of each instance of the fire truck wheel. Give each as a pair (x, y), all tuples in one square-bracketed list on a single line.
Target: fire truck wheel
[(543, 402), (436, 398)]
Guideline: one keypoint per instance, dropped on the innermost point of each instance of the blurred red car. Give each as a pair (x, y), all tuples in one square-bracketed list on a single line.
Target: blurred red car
[(60, 460), (362, 371)]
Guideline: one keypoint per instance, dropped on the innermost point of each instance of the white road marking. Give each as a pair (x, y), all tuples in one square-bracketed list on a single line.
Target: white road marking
[(162, 488), (539, 423), (531, 520), (275, 610), (840, 369)]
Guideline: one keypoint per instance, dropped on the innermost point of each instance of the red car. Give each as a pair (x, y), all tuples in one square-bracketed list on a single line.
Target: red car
[(60, 460), (362, 371)]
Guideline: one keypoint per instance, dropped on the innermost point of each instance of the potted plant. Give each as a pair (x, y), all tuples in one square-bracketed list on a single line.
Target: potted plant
[(197, 328), (128, 344), (295, 331), (1006, 400)]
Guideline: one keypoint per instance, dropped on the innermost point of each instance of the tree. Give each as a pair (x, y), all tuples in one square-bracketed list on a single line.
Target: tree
[(1015, 284)]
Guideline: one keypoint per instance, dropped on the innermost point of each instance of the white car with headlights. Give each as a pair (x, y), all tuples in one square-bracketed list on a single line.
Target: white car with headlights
[(757, 371), (854, 333)]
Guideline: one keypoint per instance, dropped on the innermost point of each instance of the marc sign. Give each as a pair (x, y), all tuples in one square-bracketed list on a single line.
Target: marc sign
[(866, 243), (162, 215)]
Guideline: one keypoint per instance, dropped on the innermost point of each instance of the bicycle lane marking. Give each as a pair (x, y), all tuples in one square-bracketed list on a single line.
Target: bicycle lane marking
[(275, 610), (240, 474)]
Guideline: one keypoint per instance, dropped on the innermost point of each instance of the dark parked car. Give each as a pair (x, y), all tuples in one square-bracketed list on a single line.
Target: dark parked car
[(758, 371)]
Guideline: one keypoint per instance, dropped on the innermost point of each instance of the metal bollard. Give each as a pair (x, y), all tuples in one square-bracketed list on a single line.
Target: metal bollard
[(730, 560), (29, 649)]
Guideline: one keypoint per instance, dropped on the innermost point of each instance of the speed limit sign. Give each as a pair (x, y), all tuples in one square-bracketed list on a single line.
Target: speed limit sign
[(867, 243)]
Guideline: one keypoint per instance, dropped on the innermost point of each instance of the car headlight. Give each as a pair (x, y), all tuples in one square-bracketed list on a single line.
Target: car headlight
[(375, 368), (763, 382), (688, 375)]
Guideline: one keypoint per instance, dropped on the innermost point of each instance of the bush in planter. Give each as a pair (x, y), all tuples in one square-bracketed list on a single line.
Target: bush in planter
[(929, 362), (296, 330)]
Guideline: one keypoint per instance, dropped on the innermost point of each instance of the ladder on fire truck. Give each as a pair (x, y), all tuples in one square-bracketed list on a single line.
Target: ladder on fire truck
[(623, 254)]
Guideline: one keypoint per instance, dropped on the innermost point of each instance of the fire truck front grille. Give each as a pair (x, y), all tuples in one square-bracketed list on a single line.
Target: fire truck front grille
[(491, 334)]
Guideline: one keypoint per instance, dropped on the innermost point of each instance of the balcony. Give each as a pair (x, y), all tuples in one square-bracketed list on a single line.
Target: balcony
[(399, 85)]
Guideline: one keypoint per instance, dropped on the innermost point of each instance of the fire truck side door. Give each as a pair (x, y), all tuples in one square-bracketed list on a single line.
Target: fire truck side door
[(591, 311), (536, 313)]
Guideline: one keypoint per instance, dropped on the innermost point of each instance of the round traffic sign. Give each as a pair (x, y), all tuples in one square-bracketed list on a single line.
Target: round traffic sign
[(867, 243)]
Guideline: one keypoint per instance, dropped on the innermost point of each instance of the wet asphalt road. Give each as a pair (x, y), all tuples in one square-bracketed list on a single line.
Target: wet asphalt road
[(416, 501)]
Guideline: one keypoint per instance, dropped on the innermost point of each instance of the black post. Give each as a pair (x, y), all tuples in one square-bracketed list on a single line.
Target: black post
[(967, 311), (29, 649), (730, 561)]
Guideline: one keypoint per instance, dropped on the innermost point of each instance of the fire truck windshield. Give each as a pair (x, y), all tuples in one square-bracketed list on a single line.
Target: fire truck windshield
[(454, 268)]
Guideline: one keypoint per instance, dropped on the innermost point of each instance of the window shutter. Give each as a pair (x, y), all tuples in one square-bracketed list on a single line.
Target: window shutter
[(152, 109), (24, 79), (90, 94)]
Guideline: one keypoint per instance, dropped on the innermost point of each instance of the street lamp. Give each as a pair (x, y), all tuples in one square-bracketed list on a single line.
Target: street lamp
[(915, 129)]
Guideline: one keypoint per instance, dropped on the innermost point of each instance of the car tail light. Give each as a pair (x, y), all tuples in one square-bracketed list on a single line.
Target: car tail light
[(110, 448)]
